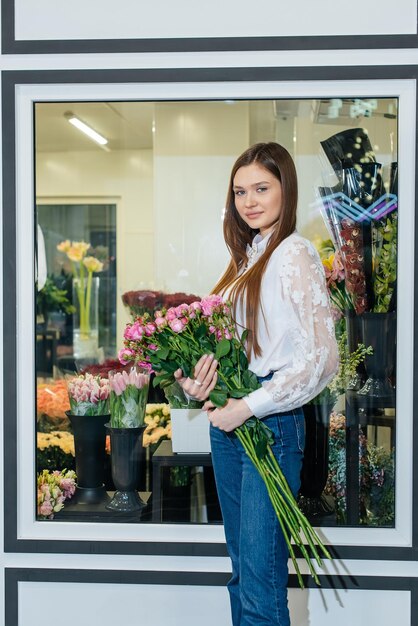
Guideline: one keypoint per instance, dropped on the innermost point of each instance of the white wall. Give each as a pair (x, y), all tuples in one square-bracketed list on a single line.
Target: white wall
[(121, 177)]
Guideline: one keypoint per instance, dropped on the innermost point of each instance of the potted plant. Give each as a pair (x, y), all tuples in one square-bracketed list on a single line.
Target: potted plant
[(50, 299)]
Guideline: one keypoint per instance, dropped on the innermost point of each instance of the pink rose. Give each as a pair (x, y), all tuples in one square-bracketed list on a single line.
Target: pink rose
[(176, 325), (171, 314), (146, 366), (150, 329), (134, 332), (196, 306), (160, 321), (125, 355), (210, 303), (182, 309)]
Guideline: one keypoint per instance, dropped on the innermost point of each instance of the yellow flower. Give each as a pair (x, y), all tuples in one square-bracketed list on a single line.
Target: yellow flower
[(75, 254), (81, 245), (64, 246), (329, 262), (92, 264), (166, 410)]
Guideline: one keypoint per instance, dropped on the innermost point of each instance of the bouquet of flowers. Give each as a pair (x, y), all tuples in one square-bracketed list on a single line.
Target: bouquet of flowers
[(341, 299), (176, 338), (361, 213), (88, 394), (128, 397), (82, 267), (53, 489)]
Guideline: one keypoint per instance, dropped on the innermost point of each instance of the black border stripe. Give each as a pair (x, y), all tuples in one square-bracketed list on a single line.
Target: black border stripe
[(9, 81), (211, 579), (10, 45)]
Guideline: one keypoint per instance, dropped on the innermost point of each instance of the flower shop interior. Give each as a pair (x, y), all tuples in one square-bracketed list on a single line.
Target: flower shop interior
[(143, 227), (115, 172)]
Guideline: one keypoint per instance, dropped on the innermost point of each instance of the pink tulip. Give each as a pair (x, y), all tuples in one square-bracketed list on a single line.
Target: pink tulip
[(117, 384)]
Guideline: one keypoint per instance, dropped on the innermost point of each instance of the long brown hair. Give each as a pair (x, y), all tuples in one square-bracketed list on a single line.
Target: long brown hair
[(276, 159)]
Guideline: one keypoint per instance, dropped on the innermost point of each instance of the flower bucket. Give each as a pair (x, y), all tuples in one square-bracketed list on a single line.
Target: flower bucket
[(126, 447), (190, 431), (89, 441)]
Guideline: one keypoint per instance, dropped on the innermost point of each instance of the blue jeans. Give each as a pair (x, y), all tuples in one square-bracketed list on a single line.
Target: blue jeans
[(255, 542)]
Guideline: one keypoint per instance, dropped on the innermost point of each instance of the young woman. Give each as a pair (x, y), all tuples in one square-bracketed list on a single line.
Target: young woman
[(276, 283)]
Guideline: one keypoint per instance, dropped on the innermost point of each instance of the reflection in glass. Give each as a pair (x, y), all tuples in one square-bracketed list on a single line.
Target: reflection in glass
[(150, 203)]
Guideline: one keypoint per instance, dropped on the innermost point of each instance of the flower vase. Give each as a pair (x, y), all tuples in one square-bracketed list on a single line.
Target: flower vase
[(314, 473), (125, 454), (89, 442), (85, 317), (378, 330)]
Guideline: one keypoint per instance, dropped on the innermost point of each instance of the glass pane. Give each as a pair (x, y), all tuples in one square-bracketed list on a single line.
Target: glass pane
[(150, 204)]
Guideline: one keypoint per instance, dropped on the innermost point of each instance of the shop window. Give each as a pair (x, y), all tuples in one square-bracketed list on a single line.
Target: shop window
[(163, 174)]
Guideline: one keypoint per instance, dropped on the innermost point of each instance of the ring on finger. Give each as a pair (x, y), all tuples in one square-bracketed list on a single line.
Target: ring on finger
[(197, 382)]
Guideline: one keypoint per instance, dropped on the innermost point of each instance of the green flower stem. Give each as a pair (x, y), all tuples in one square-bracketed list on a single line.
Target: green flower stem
[(88, 299), (281, 514), (291, 519)]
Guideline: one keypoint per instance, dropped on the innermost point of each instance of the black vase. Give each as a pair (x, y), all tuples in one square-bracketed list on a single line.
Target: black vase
[(125, 453), (89, 442), (314, 471), (378, 330)]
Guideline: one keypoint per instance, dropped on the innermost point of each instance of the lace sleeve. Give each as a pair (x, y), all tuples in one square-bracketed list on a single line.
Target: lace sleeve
[(312, 358)]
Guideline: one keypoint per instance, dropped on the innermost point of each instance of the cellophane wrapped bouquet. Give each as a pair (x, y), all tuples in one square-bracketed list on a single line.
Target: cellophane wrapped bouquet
[(176, 338)]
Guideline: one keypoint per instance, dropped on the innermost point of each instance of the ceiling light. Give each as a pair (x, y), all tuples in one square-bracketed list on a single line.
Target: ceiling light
[(87, 130)]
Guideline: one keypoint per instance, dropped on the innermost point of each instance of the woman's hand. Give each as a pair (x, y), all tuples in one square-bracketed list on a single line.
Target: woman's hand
[(233, 414), (205, 377)]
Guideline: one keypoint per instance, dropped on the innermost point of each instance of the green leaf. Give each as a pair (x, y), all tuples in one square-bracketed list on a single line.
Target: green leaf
[(238, 393), (250, 380), (261, 448), (162, 354), (161, 378), (218, 398), (200, 332), (243, 361), (244, 336), (222, 348)]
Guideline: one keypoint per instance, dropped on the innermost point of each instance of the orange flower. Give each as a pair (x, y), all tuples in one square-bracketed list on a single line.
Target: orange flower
[(52, 399)]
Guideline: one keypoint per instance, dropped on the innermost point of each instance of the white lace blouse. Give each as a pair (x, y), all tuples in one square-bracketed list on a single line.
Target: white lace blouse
[(296, 332)]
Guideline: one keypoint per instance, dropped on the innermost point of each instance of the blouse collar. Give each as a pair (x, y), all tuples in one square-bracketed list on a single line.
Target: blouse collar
[(259, 244)]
